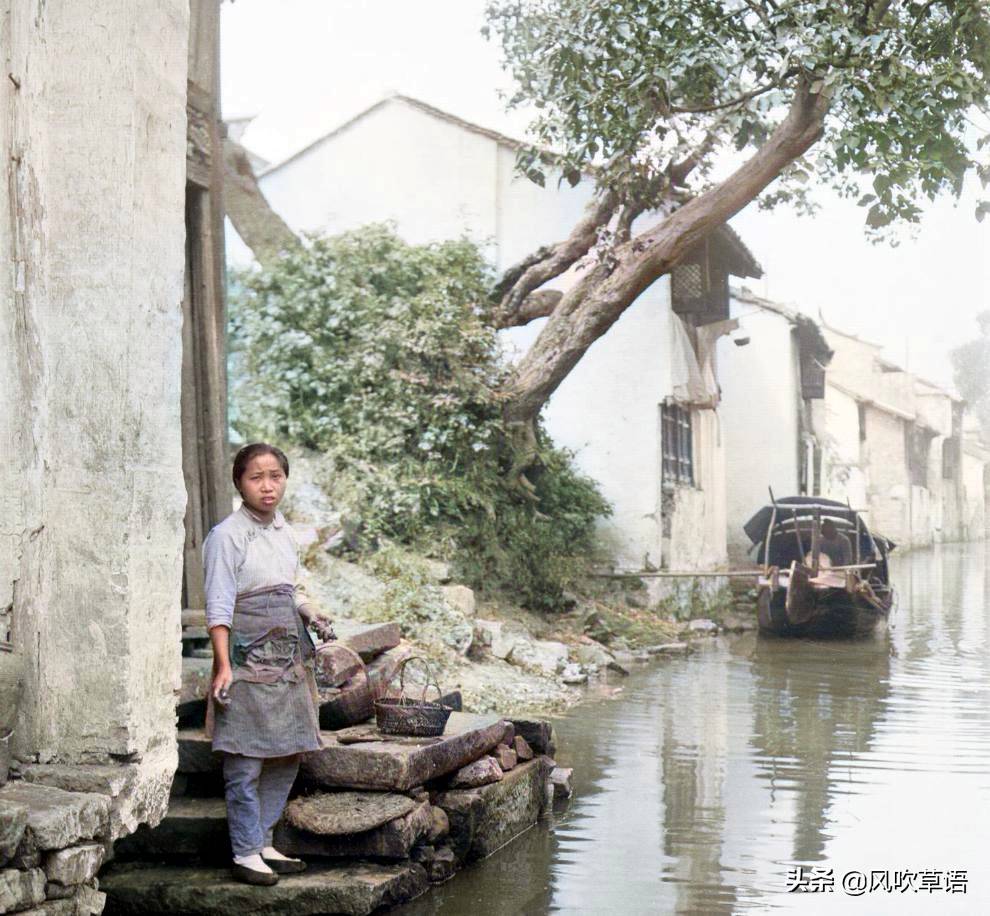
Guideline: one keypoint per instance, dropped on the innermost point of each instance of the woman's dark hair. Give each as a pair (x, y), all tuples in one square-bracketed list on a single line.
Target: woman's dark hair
[(244, 457)]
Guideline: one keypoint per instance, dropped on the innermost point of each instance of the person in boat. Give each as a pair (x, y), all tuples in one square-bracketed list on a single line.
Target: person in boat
[(263, 705), (834, 544)]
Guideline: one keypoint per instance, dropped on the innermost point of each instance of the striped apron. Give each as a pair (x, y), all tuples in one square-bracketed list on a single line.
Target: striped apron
[(273, 699)]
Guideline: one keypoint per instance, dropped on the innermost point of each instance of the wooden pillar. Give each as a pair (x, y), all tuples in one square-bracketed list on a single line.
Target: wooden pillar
[(204, 328)]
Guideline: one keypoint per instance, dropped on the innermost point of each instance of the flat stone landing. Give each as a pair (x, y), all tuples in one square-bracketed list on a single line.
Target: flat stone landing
[(353, 889), (400, 764)]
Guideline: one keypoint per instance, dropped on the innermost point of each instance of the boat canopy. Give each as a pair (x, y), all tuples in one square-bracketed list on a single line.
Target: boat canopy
[(805, 508)]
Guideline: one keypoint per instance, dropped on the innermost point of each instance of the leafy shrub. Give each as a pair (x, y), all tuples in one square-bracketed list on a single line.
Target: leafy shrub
[(376, 353)]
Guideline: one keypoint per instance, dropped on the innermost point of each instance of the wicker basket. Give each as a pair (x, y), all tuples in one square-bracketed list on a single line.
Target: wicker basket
[(403, 715)]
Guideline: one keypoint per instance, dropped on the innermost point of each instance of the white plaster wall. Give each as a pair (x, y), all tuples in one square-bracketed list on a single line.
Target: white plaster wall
[(530, 216), (91, 553), (698, 523), (974, 501), (843, 474), (435, 180), (760, 416), (607, 412)]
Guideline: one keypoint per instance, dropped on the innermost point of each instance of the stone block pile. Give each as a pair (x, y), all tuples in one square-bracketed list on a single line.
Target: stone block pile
[(378, 818), (52, 844)]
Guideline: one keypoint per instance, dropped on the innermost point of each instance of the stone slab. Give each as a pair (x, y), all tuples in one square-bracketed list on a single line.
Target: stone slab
[(483, 820), (192, 828), (369, 640), (335, 664), (196, 752), (74, 865), (102, 779), (538, 734), (56, 818), (561, 778), (481, 772), (402, 764), (393, 840), (13, 823), (342, 813), (349, 704), (67, 907), (352, 889), (21, 889), (384, 668)]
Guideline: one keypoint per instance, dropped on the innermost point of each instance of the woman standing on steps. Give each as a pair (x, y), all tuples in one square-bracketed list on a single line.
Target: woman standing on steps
[(263, 703)]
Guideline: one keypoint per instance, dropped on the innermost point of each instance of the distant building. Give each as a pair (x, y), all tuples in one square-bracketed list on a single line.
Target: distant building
[(771, 384), (892, 445), (809, 409), (640, 409)]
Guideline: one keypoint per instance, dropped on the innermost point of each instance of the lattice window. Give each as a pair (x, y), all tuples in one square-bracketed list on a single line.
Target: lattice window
[(677, 445), (699, 288)]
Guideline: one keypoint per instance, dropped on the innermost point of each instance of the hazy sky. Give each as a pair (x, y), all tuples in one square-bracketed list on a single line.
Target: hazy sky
[(303, 66)]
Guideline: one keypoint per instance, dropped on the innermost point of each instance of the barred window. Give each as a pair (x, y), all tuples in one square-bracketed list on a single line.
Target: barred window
[(677, 446)]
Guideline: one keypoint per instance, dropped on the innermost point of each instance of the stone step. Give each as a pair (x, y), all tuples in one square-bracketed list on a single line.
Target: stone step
[(196, 752), (354, 889), (56, 818), (193, 828), (483, 820), (399, 764), (369, 640), (392, 840), (346, 813)]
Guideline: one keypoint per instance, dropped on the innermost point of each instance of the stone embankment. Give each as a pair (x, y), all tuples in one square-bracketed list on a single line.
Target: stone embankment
[(53, 842), (378, 818)]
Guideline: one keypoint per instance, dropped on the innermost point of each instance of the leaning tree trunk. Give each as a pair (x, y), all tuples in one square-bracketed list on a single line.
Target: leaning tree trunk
[(595, 303), (258, 225)]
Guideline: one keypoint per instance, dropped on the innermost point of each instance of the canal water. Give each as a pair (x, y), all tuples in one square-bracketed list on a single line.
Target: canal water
[(712, 784)]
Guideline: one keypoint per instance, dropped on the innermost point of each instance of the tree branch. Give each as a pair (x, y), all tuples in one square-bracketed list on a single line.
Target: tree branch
[(594, 304), (261, 228), (550, 262), (536, 305), (739, 100)]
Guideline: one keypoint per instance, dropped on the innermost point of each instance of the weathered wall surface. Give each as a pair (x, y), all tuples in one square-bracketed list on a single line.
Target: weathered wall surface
[(93, 140), (760, 410)]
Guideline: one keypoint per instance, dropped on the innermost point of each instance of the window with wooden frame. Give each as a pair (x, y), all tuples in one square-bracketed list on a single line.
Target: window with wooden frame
[(677, 445)]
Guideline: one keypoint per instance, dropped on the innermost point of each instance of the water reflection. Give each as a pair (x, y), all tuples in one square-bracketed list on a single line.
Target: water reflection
[(710, 777)]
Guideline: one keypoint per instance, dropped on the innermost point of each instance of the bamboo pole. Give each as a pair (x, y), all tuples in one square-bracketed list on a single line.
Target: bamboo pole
[(669, 574)]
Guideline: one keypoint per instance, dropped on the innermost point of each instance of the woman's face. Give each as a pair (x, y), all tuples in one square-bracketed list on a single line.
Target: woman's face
[(263, 483)]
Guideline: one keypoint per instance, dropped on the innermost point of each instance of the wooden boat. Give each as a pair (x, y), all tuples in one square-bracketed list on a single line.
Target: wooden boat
[(801, 592)]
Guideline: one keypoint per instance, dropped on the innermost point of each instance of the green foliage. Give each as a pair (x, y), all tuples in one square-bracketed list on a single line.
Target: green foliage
[(377, 354), (632, 86), (971, 368)]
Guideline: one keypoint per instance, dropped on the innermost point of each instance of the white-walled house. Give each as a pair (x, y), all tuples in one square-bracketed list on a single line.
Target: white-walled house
[(772, 373), (640, 409), (893, 445)]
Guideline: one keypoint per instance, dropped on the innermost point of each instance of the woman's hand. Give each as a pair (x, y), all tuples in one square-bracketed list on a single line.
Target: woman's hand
[(221, 682), (324, 628), (222, 675)]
